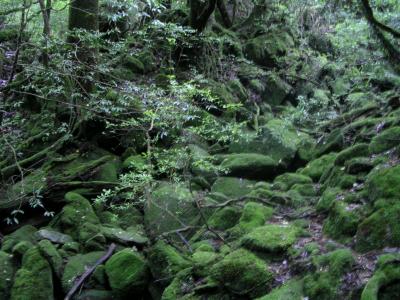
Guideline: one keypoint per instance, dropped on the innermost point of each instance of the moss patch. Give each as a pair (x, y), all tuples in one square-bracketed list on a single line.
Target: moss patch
[(386, 140)]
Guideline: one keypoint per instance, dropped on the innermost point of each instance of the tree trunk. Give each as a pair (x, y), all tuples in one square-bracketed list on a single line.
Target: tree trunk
[(200, 13)]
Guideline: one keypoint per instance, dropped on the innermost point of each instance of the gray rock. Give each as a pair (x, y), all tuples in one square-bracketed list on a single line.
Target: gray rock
[(53, 236)]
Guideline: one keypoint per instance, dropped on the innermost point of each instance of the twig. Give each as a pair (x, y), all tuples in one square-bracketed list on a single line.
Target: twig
[(89, 272)]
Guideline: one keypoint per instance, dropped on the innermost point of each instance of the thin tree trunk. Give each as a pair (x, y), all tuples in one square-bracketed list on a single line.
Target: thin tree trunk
[(45, 8), (224, 13)]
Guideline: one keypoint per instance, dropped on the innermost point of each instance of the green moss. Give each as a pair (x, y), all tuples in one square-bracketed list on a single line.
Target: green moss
[(8, 34), (325, 283), (277, 139), (342, 221), (250, 165), (386, 140), (385, 275), (329, 196), (242, 273), (306, 190), (291, 290), (50, 253), (359, 165), (232, 187), (91, 237), (271, 238), (317, 167), (76, 266), (224, 218), (24, 234), (287, 180), (381, 229), (333, 142), (7, 272), (384, 183), (122, 73), (34, 280), (202, 261), (253, 215), (265, 49), (170, 205), (19, 249), (165, 262), (127, 273), (133, 64), (178, 289), (357, 150)]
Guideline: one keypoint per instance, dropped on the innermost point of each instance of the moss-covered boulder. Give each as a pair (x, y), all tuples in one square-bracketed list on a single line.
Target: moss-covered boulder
[(134, 162), (243, 273), (53, 236), (171, 206), (317, 167), (165, 262), (250, 165), (232, 187), (331, 267), (265, 49), (329, 196), (24, 234), (50, 253), (381, 229), (287, 180), (133, 64), (253, 215), (358, 150), (224, 218), (127, 273), (271, 238), (180, 287), (276, 90), (7, 271), (342, 221), (385, 140), (34, 280), (277, 139), (291, 290), (384, 284), (384, 183), (76, 266)]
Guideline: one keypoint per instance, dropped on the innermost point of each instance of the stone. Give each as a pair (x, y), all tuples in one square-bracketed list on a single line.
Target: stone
[(53, 236)]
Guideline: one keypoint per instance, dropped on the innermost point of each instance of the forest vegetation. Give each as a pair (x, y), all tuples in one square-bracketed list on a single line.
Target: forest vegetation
[(199, 149)]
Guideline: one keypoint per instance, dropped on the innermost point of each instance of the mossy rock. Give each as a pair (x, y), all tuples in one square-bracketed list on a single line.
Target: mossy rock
[(232, 187), (271, 238), (337, 177), (384, 284), (243, 273), (385, 140), (381, 229), (253, 215), (129, 237), (317, 167), (265, 49), (127, 273), (358, 150), (8, 269), (334, 142), (224, 218), (384, 183), (290, 290), (170, 205), (76, 266), (327, 199), (325, 283), (165, 262), (277, 139), (50, 253), (342, 221), (287, 180), (202, 261), (8, 34), (276, 90), (180, 287), (91, 237), (250, 165), (24, 234), (306, 190), (359, 165), (34, 280)]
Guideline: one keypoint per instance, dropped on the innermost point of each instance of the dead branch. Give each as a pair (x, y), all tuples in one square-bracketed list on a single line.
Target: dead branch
[(89, 272)]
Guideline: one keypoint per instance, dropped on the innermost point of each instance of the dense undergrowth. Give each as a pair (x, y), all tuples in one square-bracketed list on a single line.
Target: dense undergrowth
[(259, 161)]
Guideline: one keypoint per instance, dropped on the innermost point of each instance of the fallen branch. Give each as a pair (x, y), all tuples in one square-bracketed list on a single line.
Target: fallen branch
[(89, 272)]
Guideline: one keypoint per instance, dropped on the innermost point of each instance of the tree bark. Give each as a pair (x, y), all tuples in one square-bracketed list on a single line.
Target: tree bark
[(200, 14), (46, 9), (224, 13)]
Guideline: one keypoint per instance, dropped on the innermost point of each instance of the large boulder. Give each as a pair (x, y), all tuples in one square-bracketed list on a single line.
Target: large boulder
[(266, 49), (277, 139), (34, 280), (384, 183), (232, 187), (127, 273), (171, 207), (242, 273), (24, 234), (250, 165)]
